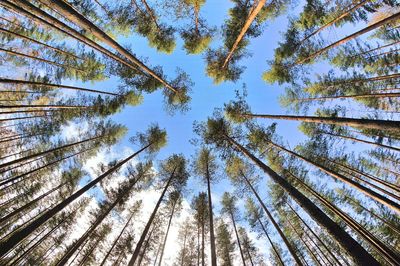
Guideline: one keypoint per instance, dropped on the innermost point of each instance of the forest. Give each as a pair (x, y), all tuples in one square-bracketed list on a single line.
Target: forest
[(199, 132)]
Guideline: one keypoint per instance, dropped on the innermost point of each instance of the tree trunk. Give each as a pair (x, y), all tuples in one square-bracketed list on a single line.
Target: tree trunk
[(367, 191), (166, 234), (71, 250), (244, 29), (47, 152), (362, 141), (357, 96), (10, 52), (374, 49), (330, 23), (20, 36), (80, 20), (25, 8), (354, 249), (340, 121), (203, 263), (350, 37), (32, 202), (21, 118), (274, 223), (4, 182), (149, 222), (270, 241), (210, 209), (151, 13), (314, 234), (237, 238), (145, 247), (52, 85), (116, 240), (17, 237), (184, 247), (380, 247), (310, 251), (42, 106)]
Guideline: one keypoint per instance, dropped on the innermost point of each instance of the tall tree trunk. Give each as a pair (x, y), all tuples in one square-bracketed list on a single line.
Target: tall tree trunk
[(12, 179), (21, 234), (367, 191), (356, 96), (340, 121), (146, 244), (362, 141), (52, 85), (314, 234), (274, 223), (20, 36), (374, 49), (184, 247), (116, 240), (350, 37), (21, 118), (352, 247), (151, 13), (25, 8), (237, 238), (149, 222), (379, 246), (71, 250), (10, 52), (333, 21), (270, 241), (31, 203), (203, 261), (249, 20), (166, 233), (42, 106), (47, 152), (210, 210), (299, 236), (67, 11)]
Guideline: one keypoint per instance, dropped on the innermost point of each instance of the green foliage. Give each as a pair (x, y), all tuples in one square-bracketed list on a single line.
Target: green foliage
[(215, 60)]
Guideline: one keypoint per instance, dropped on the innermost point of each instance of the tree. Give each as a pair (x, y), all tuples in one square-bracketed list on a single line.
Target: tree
[(206, 167), (225, 245)]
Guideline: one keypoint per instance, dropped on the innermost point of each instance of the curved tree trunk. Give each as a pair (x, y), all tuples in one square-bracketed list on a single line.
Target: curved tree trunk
[(352, 247), (21, 234)]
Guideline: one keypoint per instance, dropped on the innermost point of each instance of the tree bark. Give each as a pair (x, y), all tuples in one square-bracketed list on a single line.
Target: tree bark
[(27, 230), (149, 222), (352, 247)]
